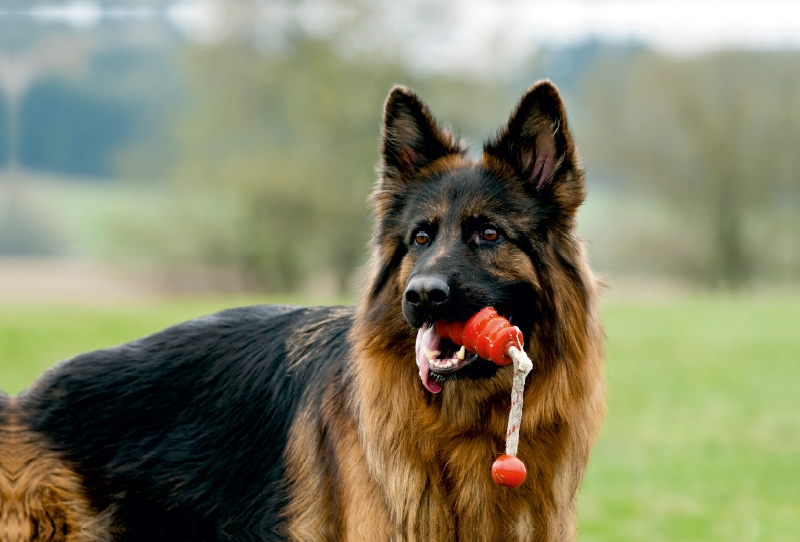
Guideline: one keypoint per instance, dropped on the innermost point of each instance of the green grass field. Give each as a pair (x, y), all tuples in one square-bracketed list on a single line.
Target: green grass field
[(702, 436)]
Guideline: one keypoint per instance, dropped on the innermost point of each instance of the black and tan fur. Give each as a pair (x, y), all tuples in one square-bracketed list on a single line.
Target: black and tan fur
[(281, 423)]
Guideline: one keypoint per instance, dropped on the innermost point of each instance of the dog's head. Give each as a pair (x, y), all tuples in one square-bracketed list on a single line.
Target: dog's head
[(454, 235)]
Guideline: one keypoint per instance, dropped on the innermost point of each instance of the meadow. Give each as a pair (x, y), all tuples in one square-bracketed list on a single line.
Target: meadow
[(702, 436)]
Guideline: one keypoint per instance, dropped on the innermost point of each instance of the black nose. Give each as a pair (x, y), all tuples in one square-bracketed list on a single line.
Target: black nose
[(427, 291)]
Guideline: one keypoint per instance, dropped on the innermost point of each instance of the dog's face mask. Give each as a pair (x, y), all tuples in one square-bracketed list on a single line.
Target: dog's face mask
[(459, 235)]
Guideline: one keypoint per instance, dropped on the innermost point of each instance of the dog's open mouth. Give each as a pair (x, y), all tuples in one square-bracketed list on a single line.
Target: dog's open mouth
[(438, 357)]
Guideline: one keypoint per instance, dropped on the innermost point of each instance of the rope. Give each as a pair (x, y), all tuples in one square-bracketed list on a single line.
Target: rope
[(522, 366)]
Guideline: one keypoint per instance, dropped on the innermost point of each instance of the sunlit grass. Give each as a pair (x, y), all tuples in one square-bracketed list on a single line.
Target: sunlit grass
[(702, 437)]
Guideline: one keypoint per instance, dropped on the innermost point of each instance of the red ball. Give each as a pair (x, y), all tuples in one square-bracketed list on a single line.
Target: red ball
[(508, 470)]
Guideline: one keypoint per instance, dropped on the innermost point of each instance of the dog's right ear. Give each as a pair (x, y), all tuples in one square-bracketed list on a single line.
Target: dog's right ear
[(411, 137)]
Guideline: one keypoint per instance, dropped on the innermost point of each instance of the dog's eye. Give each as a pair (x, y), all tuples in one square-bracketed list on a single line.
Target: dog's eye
[(422, 238), (490, 234)]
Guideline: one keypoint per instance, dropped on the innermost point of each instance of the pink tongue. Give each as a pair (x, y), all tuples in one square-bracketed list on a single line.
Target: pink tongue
[(427, 337)]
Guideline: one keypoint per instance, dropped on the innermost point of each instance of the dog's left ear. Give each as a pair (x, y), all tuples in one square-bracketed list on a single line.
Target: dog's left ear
[(538, 147)]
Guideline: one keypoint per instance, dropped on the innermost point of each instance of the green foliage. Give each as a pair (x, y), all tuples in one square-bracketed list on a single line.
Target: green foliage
[(700, 442), (281, 144), (69, 131), (276, 157), (717, 135)]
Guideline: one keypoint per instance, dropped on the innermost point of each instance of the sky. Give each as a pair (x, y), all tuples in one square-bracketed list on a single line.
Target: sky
[(435, 34)]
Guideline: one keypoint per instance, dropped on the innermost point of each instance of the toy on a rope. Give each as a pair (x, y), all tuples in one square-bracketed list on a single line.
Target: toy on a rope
[(493, 337)]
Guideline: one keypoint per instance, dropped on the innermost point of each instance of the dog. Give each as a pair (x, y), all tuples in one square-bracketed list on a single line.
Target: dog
[(316, 424)]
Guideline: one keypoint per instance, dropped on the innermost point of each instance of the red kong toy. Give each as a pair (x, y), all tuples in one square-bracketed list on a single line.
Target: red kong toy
[(493, 337), (486, 333)]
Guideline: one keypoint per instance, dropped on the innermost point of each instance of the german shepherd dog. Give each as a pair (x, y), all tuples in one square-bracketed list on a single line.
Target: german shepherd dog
[(316, 424)]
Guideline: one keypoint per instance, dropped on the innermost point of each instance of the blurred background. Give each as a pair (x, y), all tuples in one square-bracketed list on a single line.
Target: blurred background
[(164, 159)]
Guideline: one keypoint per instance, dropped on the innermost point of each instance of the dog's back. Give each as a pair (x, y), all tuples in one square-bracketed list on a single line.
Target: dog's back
[(177, 435)]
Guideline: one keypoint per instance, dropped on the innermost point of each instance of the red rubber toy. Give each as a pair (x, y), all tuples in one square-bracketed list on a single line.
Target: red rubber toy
[(508, 470), (486, 333)]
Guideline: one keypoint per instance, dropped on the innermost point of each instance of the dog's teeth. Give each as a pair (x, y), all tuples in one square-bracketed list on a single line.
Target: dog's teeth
[(462, 353), (430, 354)]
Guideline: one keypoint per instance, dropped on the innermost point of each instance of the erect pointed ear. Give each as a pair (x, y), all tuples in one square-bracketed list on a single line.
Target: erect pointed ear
[(536, 143), (411, 137)]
